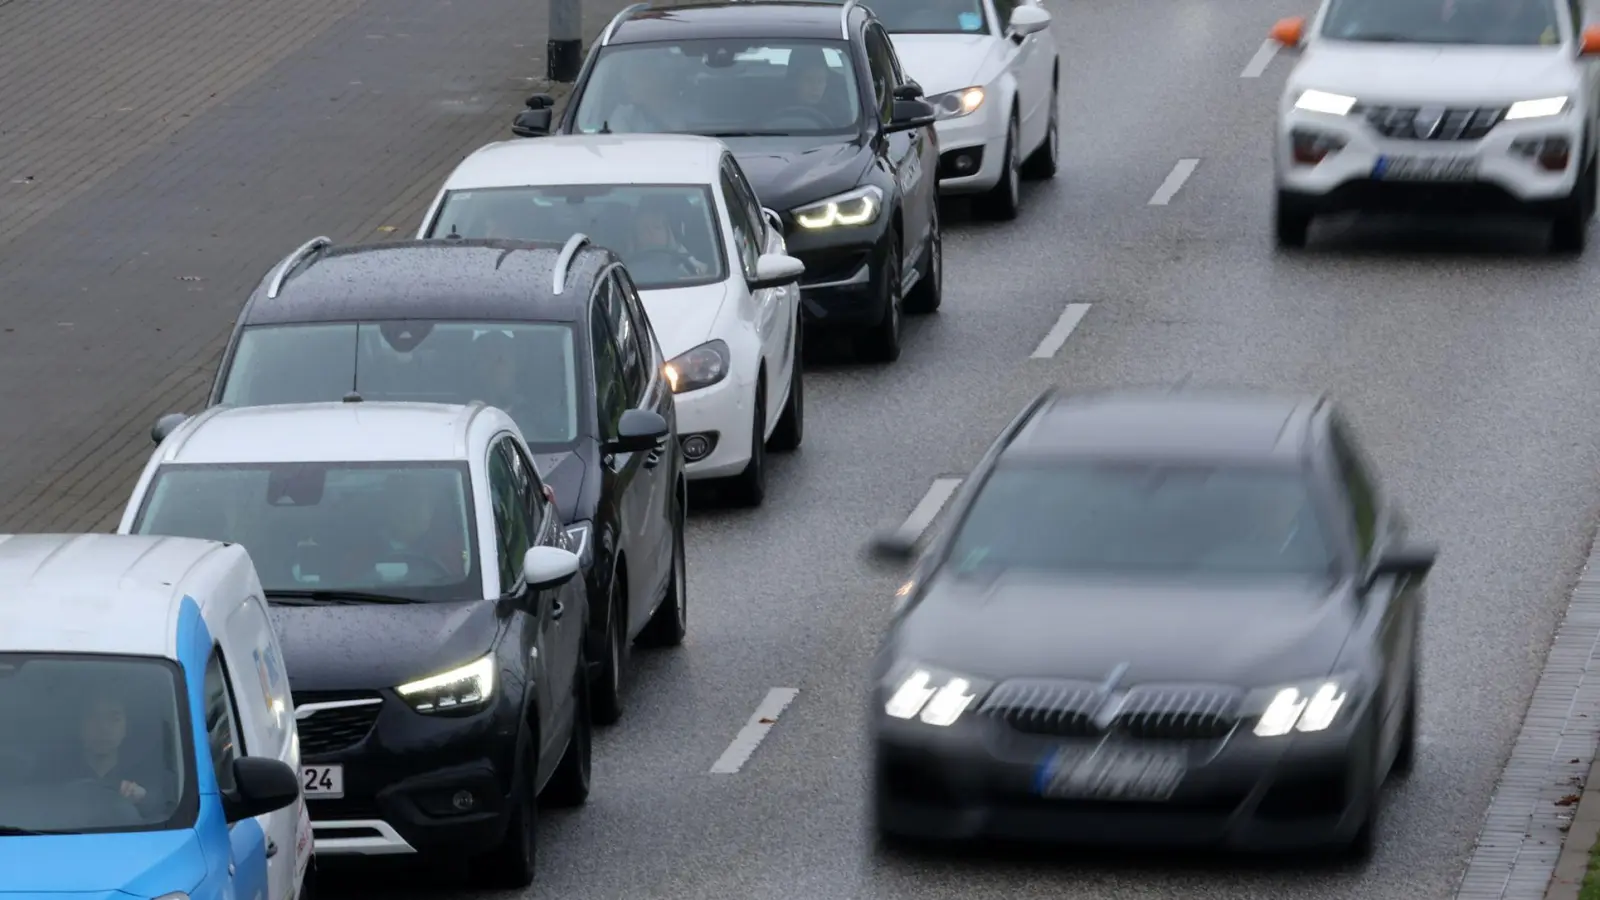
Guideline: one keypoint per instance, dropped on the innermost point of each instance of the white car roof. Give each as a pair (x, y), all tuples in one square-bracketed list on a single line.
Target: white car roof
[(591, 159), (100, 593), (333, 432)]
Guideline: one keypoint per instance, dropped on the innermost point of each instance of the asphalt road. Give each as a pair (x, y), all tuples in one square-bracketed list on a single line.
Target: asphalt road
[(1463, 353)]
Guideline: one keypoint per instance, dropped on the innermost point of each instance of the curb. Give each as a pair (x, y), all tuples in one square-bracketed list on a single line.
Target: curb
[(1582, 834)]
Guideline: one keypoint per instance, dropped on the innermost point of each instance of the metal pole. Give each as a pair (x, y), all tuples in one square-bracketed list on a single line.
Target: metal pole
[(565, 50)]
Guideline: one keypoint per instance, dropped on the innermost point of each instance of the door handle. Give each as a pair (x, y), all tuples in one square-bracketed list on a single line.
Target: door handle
[(272, 848), (557, 610)]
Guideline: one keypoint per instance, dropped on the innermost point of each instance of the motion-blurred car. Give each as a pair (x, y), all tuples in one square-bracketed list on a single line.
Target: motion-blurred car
[(422, 587), (711, 268), (1182, 617), (1440, 105), (992, 70)]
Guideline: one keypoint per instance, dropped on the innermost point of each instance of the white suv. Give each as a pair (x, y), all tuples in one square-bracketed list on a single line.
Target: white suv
[(1448, 105)]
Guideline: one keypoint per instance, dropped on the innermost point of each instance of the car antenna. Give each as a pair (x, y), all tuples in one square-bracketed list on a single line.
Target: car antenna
[(454, 235), (605, 127), (353, 397)]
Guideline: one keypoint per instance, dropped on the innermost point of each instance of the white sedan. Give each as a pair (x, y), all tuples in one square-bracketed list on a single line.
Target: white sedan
[(713, 271)]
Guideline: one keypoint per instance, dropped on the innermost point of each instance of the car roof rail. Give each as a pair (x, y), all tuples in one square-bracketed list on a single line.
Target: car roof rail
[(301, 254), (844, 18), (618, 19), (569, 250)]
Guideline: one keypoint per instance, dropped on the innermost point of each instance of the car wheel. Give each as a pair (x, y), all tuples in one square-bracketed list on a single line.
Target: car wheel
[(881, 343), (569, 786), (791, 428), (1291, 224), (1569, 233), (606, 698), (1405, 755), (511, 865), (670, 622), (1003, 201), (749, 487), (1046, 160), (928, 293)]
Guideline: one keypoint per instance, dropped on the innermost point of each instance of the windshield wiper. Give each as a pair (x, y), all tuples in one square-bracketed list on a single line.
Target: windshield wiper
[(333, 598), (729, 134), (14, 831)]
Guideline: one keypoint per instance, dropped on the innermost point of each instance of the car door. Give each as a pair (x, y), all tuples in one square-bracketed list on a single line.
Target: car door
[(511, 547), (565, 633), (658, 464), (903, 151), (763, 309), (247, 841), (1033, 67)]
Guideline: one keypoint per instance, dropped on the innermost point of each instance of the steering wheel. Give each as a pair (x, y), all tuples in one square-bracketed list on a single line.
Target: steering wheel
[(661, 256), (817, 117), (439, 569), (128, 807)]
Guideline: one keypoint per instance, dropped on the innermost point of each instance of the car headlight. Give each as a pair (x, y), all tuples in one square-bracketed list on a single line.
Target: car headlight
[(462, 687), (698, 368), (1307, 707), (960, 103), (578, 541), (1324, 102), (935, 697), (858, 207), (1538, 109)]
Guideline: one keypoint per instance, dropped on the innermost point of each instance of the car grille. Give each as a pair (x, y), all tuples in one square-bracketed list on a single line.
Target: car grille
[(332, 729), (1425, 123), (1147, 712)]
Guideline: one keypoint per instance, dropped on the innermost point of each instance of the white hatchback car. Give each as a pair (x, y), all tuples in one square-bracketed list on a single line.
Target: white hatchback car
[(1447, 105), (710, 265)]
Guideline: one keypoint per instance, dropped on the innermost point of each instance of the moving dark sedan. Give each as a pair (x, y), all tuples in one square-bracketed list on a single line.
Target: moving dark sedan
[(1182, 617)]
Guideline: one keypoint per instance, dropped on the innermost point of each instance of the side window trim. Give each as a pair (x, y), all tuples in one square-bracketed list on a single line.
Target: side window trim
[(738, 212), (633, 344), (510, 570), (218, 662), (600, 333), (535, 491)]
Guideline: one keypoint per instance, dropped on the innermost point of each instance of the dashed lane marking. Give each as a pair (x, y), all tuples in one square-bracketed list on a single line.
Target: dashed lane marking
[(1057, 336), (1180, 173), (923, 514), (1262, 59), (754, 732)]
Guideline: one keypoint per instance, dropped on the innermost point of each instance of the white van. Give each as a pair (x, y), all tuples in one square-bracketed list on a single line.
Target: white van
[(149, 744)]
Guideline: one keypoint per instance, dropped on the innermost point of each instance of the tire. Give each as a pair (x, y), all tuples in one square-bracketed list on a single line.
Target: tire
[(791, 428), (1569, 232), (1045, 160), (749, 488), (511, 865), (1291, 223), (1005, 198), (605, 698), (1405, 756), (670, 622), (569, 785), (928, 293), (881, 342)]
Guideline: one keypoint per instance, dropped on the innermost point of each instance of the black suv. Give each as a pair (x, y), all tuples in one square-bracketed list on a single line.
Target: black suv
[(832, 134), (552, 334)]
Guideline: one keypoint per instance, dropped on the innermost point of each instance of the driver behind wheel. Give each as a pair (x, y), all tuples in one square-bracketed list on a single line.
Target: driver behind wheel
[(410, 534), (655, 254), (811, 85), (100, 758)]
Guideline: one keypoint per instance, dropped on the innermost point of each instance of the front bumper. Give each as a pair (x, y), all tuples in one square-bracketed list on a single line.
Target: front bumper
[(972, 151), (1505, 180), (978, 780), (842, 285), (404, 773), (724, 415)]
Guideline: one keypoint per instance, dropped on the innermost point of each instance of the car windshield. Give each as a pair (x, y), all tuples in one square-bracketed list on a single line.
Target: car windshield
[(93, 744), (528, 370), (931, 16), (723, 88), (1092, 518), (667, 235), (402, 530), (1485, 22)]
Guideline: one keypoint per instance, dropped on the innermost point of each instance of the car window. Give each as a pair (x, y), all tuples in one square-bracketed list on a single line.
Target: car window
[(222, 722), (1359, 490), (744, 231), (529, 490), (510, 517), (646, 331), (1003, 10), (722, 87), (748, 200), (625, 331), (666, 235), (1475, 22), (881, 60), (931, 16), (611, 388), (1156, 519), (403, 529), (528, 369)]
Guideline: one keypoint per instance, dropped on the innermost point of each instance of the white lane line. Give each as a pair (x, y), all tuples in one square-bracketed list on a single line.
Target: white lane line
[(1262, 59), (939, 493), (1059, 332), (1175, 179), (754, 732)]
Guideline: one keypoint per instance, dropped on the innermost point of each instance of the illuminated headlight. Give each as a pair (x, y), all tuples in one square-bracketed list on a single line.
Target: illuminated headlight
[(460, 688), (1538, 109), (1324, 102), (958, 103), (701, 367), (1309, 707), (935, 698), (858, 207), (578, 541)]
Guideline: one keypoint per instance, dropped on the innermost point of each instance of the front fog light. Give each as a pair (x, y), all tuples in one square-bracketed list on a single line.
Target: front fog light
[(1312, 147), (1553, 154)]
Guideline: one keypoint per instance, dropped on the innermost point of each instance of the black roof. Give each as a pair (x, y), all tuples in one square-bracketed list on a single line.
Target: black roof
[(431, 279), (1178, 424), (769, 20)]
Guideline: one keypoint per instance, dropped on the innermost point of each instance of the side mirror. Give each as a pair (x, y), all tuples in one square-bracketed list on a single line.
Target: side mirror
[(1289, 32), (908, 91), (166, 425), (893, 545), (910, 114), (640, 431), (535, 120), (1589, 41), (544, 568), (1026, 20), (260, 785), (1415, 561), (776, 270)]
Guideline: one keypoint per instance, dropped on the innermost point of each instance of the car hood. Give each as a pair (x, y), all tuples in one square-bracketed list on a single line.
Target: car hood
[(564, 472), (96, 866), (372, 646), (1431, 73), (948, 62), (787, 172), (684, 318), (1244, 633)]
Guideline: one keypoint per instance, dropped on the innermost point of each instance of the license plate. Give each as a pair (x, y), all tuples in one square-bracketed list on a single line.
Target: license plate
[(1426, 168), (324, 782), (1111, 773)]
